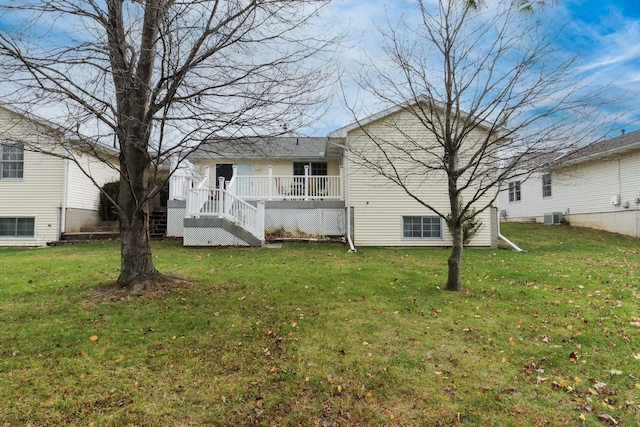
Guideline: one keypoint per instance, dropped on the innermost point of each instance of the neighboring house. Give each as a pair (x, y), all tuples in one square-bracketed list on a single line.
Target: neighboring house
[(596, 186), (42, 195), (305, 187)]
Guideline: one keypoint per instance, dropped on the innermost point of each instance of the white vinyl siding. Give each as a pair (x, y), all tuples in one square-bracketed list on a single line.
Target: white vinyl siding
[(583, 192), (40, 192), (82, 192), (379, 205), (37, 195)]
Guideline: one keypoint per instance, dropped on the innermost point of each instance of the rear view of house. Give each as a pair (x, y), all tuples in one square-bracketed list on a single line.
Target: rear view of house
[(243, 191), (44, 195)]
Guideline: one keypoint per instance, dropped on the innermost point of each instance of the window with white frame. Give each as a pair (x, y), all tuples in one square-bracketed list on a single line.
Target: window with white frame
[(17, 227), (546, 185), (514, 191), (422, 227), (11, 161)]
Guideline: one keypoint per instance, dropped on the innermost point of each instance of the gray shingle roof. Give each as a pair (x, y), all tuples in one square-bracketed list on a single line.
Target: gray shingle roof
[(617, 145), (269, 148)]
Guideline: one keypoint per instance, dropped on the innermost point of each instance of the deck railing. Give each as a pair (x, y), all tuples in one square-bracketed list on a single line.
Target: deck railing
[(223, 204), (269, 187), (289, 187)]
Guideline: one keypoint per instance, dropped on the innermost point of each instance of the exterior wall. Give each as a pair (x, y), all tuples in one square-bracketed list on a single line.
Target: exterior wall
[(583, 194), (81, 191), (78, 218), (39, 193), (379, 205)]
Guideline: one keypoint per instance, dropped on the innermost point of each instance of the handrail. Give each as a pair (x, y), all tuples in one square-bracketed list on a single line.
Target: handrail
[(224, 204)]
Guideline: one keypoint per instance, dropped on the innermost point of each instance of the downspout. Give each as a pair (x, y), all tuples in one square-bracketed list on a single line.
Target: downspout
[(352, 248), (347, 197), (63, 214), (509, 242)]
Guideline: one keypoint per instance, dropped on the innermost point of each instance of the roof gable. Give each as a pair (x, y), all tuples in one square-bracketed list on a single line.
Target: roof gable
[(342, 132)]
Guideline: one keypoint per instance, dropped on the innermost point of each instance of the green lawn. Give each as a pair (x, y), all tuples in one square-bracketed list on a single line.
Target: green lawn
[(312, 335)]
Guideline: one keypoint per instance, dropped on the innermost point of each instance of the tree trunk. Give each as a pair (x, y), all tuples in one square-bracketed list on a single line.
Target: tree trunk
[(137, 272), (453, 277)]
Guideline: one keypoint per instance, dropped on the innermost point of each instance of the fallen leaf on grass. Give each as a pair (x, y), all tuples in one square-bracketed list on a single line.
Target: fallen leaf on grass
[(511, 341), (608, 417), (93, 338)]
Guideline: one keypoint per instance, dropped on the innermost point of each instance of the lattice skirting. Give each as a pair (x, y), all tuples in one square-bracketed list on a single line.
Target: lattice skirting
[(305, 221), (176, 211)]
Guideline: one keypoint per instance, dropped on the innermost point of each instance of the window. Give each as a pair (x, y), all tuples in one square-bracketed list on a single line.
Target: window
[(514, 191), (421, 227), (546, 185), (17, 227), (11, 161), (315, 168), (317, 186)]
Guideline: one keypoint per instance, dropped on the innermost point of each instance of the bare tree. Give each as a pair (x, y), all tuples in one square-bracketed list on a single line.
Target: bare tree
[(156, 78), (490, 99)]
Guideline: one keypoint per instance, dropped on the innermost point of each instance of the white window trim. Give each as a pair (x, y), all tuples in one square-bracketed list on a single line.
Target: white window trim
[(422, 238), (518, 185), (549, 186), (9, 144)]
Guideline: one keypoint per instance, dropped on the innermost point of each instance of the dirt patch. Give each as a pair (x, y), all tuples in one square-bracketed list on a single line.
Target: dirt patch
[(157, 286)]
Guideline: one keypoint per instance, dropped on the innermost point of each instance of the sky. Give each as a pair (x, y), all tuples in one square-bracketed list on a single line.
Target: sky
[(604, 33)]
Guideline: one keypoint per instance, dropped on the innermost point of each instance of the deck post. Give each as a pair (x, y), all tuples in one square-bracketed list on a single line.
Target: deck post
[(341, 182), (219, 206), (270, 184), (306, 182), (260, 216)]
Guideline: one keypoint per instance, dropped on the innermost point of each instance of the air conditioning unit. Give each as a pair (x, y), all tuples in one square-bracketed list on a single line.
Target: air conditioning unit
[(615, 199), (554, 218)]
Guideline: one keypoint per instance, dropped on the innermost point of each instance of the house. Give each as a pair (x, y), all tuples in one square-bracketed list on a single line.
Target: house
[(596, 186), (244, 191), (42, 195)]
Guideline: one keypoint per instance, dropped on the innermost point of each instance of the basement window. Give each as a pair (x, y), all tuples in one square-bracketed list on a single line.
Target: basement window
[(17, 227), (422, 227)]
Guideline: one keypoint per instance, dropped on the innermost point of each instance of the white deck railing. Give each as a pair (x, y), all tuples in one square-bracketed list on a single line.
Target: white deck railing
[(223, 204), (288, 187)]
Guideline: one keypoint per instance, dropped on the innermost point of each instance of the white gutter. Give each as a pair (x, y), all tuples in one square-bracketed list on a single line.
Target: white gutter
[(63, 207), (509, 242)]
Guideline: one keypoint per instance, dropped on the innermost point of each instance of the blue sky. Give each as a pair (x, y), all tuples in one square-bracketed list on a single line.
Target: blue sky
[(604, 33)]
